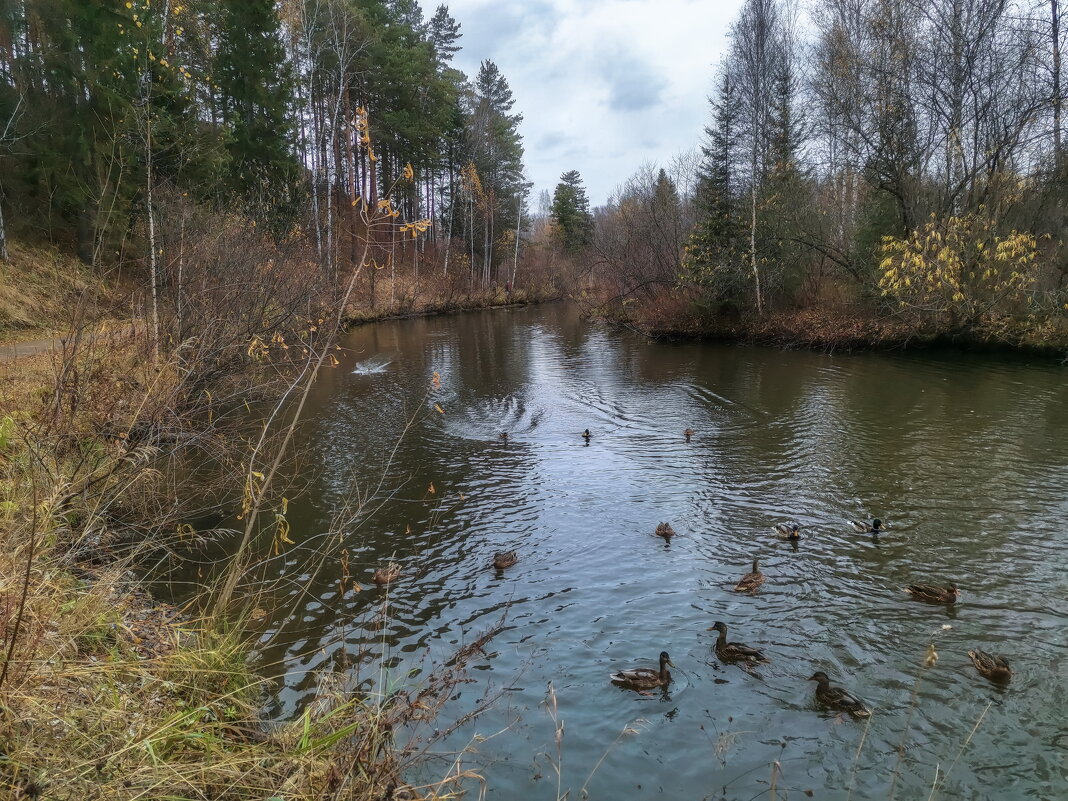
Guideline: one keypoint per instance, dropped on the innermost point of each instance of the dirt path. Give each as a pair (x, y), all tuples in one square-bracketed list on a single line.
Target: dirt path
[(14, 350)]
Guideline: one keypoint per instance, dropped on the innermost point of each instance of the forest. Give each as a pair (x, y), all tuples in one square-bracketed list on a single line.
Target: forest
[(146, 133), (869, 170), (202, 202)]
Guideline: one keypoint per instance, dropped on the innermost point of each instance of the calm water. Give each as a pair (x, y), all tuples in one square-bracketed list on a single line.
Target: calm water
[(966, 456)]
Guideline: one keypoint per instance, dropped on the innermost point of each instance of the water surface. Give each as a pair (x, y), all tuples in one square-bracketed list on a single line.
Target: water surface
[(966, 456)]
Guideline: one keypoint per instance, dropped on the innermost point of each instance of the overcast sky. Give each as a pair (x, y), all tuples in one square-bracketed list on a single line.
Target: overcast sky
[(603, 85)]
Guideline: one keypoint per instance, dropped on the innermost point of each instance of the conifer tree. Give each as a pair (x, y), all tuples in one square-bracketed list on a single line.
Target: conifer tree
[(571, 212), (256, 94)]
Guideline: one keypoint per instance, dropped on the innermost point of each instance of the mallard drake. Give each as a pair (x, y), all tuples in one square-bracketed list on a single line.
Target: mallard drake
[(934, 594), (750, 581), (644, 678), (995, 668), (787, 531), (689, 432), (505, 559), (864, 527), (837, 697), (735, 651), (503, 435), (586, 434), (384, 575), (665, 530)]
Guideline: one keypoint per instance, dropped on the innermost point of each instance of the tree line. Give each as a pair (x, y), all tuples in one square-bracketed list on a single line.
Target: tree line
[(896, 156), (119, 120)]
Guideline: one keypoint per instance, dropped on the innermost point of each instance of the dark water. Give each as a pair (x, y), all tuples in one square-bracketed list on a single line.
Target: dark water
[(966, 456)]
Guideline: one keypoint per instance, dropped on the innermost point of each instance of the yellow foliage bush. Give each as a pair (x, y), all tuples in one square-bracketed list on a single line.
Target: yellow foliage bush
[(958, 267)]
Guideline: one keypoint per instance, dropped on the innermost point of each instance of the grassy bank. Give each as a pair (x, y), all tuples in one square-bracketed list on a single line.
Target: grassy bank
[(105, 692)]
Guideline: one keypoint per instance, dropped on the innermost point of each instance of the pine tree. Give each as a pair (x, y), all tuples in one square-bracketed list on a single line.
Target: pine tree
[(256, 95), (496, 150), (444, 32), (571, 212)]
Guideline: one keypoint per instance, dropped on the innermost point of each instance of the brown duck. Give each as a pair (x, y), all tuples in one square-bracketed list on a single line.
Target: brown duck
[(665, 530), (505, 559), (751, 581), (387, 574), (836, 697), (994, 667), (645, 678), (934, 594), (736, 651)]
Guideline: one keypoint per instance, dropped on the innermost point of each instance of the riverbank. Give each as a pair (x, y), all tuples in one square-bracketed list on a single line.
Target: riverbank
[(840, 329), (105, 691)]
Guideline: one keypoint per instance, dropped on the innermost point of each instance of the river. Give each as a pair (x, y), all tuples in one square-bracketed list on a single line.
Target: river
[(965, 456)]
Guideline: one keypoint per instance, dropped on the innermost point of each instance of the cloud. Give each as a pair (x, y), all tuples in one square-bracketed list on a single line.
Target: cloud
[(633, 85), (603, 85)]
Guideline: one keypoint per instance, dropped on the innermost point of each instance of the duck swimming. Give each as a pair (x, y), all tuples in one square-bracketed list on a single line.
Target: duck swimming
[(505, 559), (864, 527), (387, 574), (933, 594), (994, 667), (836, 697), (503, 435), (750, 581), (735, 651), (665, 530), (689, 432), (787, 531), (645, 678), (586, 435)]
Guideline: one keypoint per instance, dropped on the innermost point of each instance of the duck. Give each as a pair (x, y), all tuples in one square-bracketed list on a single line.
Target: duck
[(735, 651), (505, 559), (645, 678), (751, 581), (689, 432), (665, 530), (864, 527), (503, 435), (586, 435), (387, 574), (787, 531), (934, 594), (994, 667), (836, 697)]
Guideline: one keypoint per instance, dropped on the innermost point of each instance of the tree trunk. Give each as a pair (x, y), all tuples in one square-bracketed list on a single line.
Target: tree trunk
[(153, 275), (1058, 157), (4, 256), (752, 249), (518, 228)]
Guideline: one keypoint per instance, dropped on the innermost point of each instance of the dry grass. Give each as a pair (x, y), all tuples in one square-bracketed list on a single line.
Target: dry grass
[(105, 693), (39, 286), (90, 713)]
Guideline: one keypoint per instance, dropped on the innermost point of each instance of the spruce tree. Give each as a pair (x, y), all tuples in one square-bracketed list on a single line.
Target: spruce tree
[(571, 212), (715, 247), (256, 89)]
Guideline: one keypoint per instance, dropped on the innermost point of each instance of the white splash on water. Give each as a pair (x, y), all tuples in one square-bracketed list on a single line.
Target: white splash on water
[(373, 366)]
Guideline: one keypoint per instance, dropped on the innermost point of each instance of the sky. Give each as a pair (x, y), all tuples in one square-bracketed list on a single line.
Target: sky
[(603, 85)]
